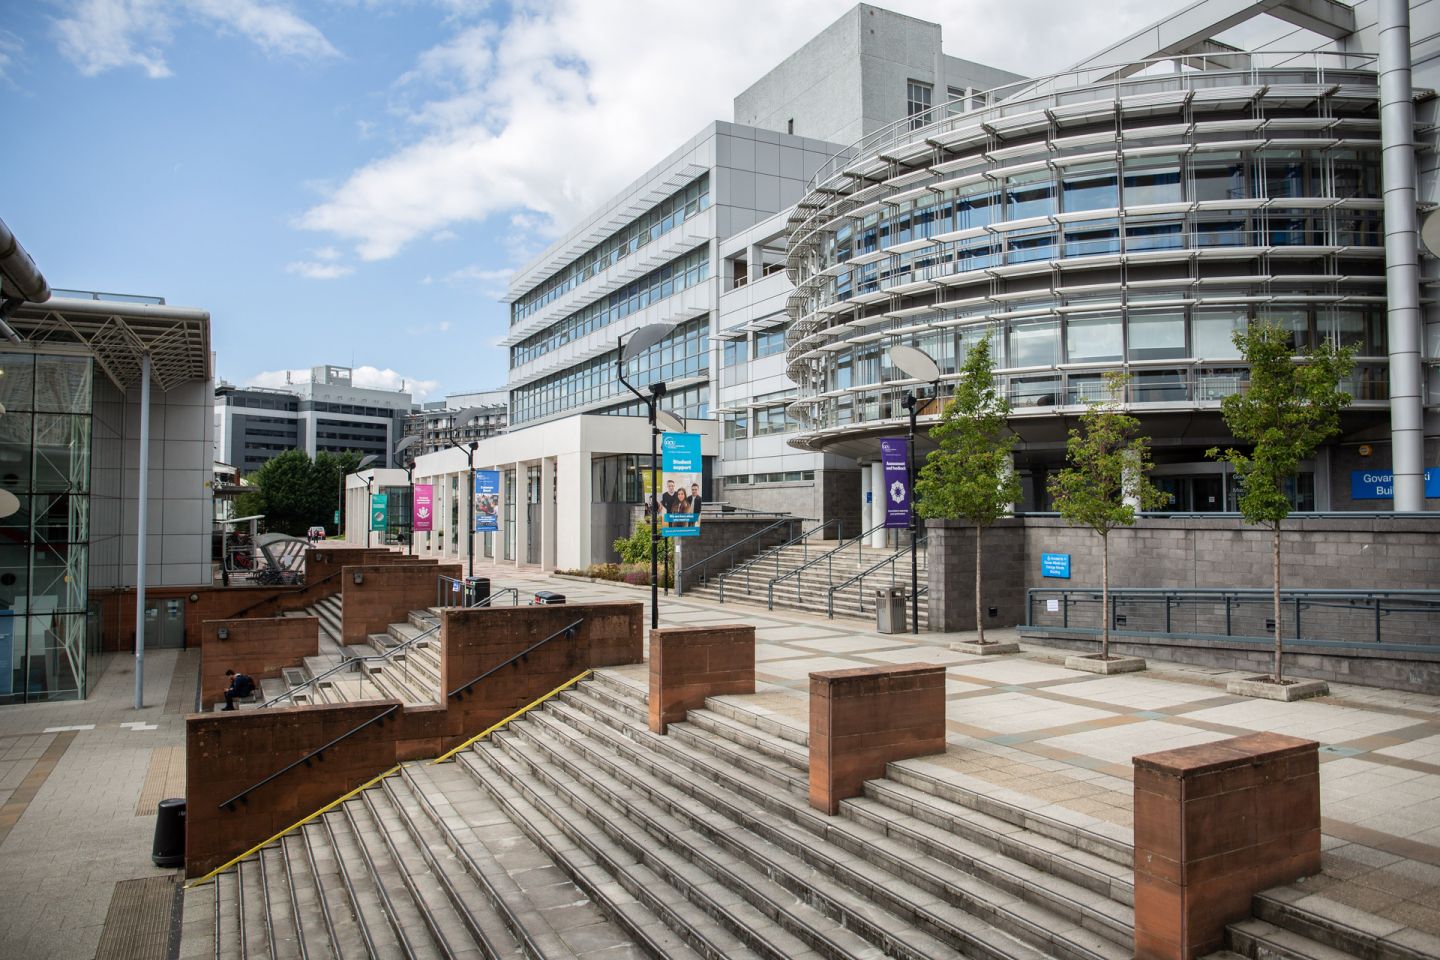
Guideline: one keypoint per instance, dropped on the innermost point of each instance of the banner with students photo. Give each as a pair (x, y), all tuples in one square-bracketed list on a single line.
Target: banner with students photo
[(681, 482), (487, 501)]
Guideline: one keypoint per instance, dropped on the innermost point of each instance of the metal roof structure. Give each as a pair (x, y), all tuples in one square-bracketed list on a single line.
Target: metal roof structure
[(119, 333)]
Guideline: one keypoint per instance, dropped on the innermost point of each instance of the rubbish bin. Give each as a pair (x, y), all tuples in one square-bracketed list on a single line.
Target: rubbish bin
[(547, 598), (890, 610), (477, 589), (169, 848)]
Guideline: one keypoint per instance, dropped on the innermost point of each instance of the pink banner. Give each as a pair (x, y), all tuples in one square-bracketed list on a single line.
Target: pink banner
[(424, 508)]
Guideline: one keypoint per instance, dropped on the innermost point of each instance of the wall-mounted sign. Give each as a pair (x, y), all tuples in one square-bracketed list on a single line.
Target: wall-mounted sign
[(379, 510), (423, 520), (1380, 484), (893, 457), (487, 501), (1055, 565)]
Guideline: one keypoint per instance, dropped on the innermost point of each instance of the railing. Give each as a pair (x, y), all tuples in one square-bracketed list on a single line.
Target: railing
[(490, 600), (828, 558), (299, 593), (464, 688), (1406, 618), (447, 587), (704, 564), (348, 663), (859, 579), (316, 754), (777, 551)]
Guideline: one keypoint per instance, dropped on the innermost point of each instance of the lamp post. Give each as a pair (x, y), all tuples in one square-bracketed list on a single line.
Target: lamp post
[(465, 416), (640, 341), (917, 365), (340, 502), (405, 444), (369, 511)]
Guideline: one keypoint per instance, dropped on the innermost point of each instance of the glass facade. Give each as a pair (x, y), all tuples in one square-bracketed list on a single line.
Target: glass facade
[(46, 643)]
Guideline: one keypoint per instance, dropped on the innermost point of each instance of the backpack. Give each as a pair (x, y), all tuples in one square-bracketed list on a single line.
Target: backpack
[(244, 686)]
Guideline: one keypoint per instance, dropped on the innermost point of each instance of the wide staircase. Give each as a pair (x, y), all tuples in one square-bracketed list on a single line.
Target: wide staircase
[(403, 663), (803, 573), (575, 832)]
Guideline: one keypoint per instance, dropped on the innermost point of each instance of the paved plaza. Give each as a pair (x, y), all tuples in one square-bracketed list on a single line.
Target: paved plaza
[(78, 803)]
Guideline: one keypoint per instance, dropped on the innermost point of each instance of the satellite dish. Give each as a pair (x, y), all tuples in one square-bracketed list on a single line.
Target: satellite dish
[(1430, 232), (914, 362), (9, 503), (645, 338), (668, 422)]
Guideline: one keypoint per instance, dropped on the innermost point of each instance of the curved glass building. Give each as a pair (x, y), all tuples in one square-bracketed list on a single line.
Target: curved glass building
[(1115, 219)]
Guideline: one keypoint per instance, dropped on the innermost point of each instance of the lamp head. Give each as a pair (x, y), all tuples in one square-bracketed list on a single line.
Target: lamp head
[(365, 461), (643, 339), (669, 422), (914, 362)]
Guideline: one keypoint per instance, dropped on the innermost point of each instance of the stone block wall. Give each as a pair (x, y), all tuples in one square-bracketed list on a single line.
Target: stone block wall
[(865, 717), (258, 647), (1214, 825), (386, 594), (688, 664), (950, 567)]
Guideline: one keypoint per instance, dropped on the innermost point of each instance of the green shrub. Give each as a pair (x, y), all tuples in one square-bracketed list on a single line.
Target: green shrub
[(635, 549)]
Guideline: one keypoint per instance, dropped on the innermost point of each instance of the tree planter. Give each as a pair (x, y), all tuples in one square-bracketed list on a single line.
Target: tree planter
[(1286, 690), (986, 649), (1095, 663)]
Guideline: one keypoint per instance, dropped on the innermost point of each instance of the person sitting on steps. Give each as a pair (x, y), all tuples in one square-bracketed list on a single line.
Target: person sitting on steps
[(241, 686)]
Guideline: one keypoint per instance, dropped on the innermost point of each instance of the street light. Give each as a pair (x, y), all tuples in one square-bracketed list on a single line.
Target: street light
[(915, 364), (340, 502), (465, 416), (640, 341), (405, 444)]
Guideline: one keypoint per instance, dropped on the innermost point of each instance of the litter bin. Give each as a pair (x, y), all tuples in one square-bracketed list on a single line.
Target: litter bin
[(169, 848), (890, 610), (547, 598), (478, 590)]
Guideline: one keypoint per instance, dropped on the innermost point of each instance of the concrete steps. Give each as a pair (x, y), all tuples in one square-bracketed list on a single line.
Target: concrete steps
[(1291, 923)]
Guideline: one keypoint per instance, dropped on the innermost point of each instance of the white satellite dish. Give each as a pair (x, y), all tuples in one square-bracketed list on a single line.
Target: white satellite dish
[(1430, 232), (9, 503)]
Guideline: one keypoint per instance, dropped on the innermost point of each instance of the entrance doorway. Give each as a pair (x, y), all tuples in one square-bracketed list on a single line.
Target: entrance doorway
[(165, 624)]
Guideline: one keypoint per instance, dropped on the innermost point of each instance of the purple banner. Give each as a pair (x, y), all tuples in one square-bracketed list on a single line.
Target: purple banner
[(424, 508), (897, 485)]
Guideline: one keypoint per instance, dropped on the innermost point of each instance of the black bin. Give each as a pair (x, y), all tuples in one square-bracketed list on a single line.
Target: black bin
[(169, 848), (546, 598), (478, 589)]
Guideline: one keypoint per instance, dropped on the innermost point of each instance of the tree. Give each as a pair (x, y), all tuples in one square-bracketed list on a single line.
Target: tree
[(1290, 408), (1107, 479), (282, 491), (969, 476), (326, 473)]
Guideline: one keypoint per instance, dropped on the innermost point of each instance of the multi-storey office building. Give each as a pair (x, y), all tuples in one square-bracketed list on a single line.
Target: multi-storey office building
[(1124, 218), (438, 423), (326, 413)]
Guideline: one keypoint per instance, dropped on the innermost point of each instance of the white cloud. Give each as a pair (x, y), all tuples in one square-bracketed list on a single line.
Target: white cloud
[(491, 282), (370, 378), (314, 270), (12, 50), (555, 109), (101, 35)]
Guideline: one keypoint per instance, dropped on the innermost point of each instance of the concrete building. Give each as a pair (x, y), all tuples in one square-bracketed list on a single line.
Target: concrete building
[(325, 413), (486, 414)]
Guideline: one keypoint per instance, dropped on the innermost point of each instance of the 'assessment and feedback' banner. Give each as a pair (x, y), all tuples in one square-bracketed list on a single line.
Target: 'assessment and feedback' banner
[(897, 482)]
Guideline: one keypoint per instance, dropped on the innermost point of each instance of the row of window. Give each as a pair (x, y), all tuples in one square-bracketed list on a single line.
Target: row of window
[(788, 476), (649, 226), (681, 355), (1201, 177), (259, 402), (659, 284), (691, 403), (766, 344)]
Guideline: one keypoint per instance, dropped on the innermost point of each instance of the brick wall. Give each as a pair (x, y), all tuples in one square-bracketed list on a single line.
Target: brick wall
[(1214, 825), (386, 594), (865, 717), (688, 664), (259, 647)]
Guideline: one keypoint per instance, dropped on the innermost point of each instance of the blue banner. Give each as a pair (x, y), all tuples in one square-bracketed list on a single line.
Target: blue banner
[(897, 482), (1055, 565), (1380, 484), (487, 501), (682, 480)]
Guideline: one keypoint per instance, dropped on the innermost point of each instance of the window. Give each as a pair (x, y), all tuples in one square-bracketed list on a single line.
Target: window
[(1157, 336), (1214, 332), (917, 103), (1152, 181), (1093, 339), (1219, 177), (1030, 195), (736, 352), (769, 343), (1090, 186), (1034, 343)]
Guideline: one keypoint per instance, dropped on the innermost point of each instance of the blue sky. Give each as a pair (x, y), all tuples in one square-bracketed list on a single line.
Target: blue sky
[(350, 181)]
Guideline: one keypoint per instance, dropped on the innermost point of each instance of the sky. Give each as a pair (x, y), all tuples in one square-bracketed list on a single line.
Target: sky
[(352, 181)]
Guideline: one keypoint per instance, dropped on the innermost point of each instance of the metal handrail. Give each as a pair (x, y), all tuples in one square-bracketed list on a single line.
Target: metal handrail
[(829, 557), (777, 551), (705, 562), (567, 631), (348, 663), (490, 600), (299, 593), (892, 559), (317, 753)]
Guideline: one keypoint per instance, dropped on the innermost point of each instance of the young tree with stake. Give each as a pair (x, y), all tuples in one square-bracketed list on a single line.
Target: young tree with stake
[(1106, 481), (1291, 407), (969, 476)]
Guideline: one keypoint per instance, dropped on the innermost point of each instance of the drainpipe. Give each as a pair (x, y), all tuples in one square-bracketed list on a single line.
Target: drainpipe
[(1402, 256)]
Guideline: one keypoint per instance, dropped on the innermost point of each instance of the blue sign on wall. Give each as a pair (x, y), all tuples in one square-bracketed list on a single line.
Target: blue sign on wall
[(1380, 484), (1055, 565)]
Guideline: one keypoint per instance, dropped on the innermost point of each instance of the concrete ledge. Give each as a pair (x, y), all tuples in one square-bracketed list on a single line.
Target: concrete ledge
[(986, 649), (690, 664), (1267, 689), (1093, 664)]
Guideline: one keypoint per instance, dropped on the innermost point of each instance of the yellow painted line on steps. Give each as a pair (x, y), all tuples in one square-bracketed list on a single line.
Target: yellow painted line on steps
[(370, 783), (294, 826), (518, 713)]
